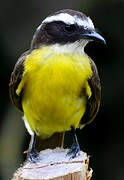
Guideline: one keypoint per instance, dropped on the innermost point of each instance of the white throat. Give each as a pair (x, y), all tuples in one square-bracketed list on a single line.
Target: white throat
[(76, 47)]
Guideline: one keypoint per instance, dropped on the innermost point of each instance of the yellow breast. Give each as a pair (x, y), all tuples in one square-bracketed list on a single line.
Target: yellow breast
[(55, 90)]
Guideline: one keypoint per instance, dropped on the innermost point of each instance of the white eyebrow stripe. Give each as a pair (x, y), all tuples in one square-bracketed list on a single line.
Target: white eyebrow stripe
[(68, 19), (38, 28), (61, 17), (91, 23)]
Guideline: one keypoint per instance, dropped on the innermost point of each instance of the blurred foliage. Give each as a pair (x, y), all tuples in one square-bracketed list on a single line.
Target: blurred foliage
[(103, 139)]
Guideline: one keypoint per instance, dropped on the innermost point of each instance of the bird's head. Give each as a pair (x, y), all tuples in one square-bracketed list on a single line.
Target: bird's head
[(67, 30)]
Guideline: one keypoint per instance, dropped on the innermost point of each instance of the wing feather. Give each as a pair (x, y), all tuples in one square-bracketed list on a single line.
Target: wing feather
[(15, 79), (93, 103)]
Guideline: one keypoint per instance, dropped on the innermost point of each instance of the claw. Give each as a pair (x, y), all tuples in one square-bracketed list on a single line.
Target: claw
[(33, 156), (75, 149), (33, 153)]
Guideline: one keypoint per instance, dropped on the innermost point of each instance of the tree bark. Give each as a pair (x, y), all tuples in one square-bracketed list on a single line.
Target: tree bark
[(55, 165)]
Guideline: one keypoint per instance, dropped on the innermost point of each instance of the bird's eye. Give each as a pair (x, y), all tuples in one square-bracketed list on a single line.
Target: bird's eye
[(70, 28)]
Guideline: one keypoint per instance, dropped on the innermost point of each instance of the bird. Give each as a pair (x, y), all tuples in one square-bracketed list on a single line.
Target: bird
[(55, 83)]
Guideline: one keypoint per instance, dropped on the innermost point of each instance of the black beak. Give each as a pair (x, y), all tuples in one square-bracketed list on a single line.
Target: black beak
[(94, 36)]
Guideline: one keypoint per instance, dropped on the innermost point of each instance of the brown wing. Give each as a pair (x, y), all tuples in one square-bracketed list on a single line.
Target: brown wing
[(94, 101), (15, 79)]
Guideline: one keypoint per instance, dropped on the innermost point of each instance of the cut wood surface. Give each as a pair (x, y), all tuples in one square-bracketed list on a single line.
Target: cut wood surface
[(55, 165)]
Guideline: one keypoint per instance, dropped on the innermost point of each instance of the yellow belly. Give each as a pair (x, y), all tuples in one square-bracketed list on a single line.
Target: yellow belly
[(55, 90)]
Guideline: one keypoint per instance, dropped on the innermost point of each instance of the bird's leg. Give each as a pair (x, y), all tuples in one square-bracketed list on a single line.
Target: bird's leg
[(33, 154), (75, 148)]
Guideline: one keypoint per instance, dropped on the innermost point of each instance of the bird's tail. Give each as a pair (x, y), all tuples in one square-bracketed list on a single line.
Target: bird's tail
[(56, 140)]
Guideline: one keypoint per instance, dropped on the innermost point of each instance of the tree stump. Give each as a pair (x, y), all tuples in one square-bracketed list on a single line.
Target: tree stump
[(55, 165)]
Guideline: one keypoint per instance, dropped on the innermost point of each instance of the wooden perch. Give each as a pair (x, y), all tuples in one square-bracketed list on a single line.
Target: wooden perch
[(55, 165)]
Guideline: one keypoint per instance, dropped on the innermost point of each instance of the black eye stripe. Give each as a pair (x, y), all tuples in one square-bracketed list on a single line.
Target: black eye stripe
[(70, 28)]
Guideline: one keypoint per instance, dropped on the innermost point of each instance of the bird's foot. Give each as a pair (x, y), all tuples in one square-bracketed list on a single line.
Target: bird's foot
[(33, 156), (74, 151)]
